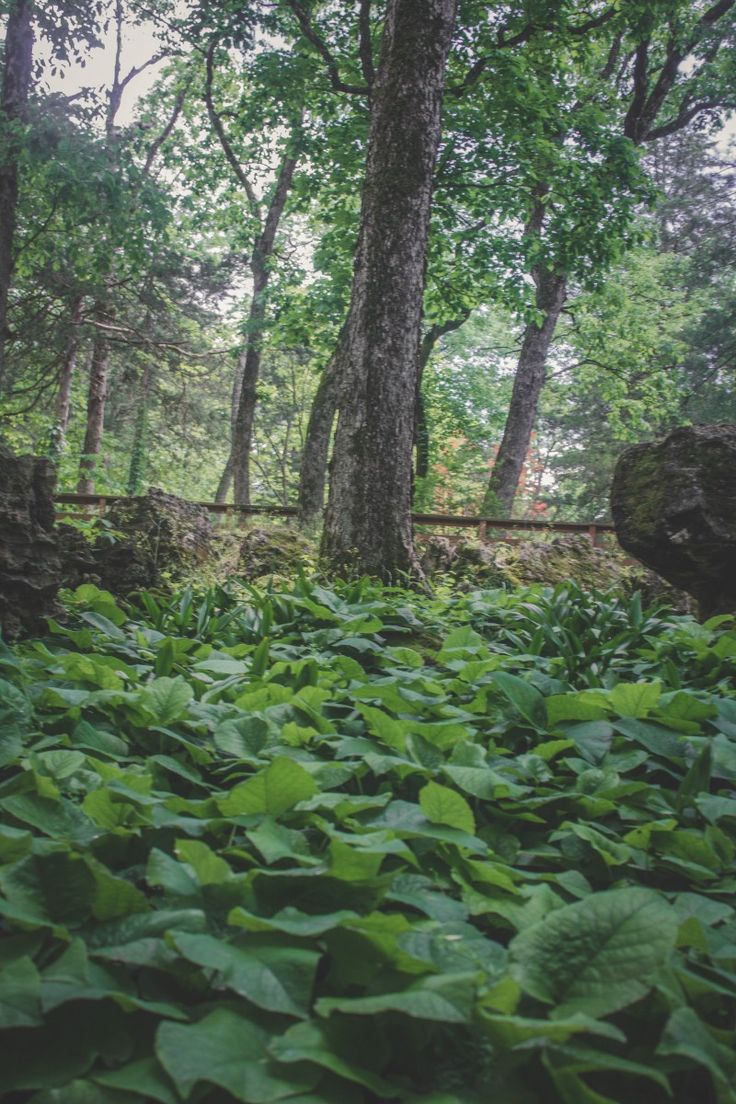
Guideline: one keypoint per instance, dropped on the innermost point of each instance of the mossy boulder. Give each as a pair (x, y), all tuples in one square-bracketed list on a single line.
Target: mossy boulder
[(30, 565), (491, 564), (674, 507), (163, 540), (274, 550)]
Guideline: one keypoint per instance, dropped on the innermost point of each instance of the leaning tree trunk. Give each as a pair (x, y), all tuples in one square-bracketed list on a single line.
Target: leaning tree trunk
[(368, 520), (96, 399), (528, 383), (16, 84)]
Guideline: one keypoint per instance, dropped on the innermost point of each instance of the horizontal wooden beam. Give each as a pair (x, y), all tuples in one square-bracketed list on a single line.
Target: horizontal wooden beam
[(460, 521)]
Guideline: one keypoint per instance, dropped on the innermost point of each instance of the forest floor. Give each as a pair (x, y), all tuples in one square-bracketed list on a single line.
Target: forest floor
[(357, 844)]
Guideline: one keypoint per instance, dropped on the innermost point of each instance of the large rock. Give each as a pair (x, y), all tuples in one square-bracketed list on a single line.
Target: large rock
[(493, 564), (161, 540), (674, 508), (30, 567), (274, 550)]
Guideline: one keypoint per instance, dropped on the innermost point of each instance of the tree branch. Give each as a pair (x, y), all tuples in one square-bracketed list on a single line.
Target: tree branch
[(311, 35), (155, 146), (366, 45), (219, 129), (685, 116)]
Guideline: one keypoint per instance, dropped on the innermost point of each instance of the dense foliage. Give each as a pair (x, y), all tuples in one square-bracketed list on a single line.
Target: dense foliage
[(141, 210), (357, 845)]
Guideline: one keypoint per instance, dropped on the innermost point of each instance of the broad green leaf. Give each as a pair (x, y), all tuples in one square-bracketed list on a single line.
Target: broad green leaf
[(143, 1077), (277, 978), (449, 999), (441, 805), (278, 787), (597, 955), (20, 991), (523, 696), (320, 1043), (209, 868), (229, 1049), (166, 699), (635, 699), (686, 1036), (389, 731)]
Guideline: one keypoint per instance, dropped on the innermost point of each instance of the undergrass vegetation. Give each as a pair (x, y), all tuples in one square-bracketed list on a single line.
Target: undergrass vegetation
[(351, 845)]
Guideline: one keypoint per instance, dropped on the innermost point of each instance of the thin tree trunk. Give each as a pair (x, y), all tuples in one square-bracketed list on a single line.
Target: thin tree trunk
[(137, 469), (227, 474), (96, 398), (313, 467), (104, 309), (421, 428), (16, 84), (368, 519), (62, 405), (528, 383), (260, 269)]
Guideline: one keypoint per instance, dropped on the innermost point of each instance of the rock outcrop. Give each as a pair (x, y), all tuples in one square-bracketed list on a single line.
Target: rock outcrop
[(276, 550), (163, 539), (30, 566), (489, 564), (674, 508)]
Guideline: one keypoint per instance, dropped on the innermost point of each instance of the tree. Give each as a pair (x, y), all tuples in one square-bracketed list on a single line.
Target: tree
[(660, 96), (104, 309), (16, 85), (368, 521)]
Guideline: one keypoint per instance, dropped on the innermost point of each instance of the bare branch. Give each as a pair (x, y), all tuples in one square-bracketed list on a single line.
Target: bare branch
[(366, 46), (685, 115), (641, 87), (220, 132), (643, 111), (311, 35), (155, 146)]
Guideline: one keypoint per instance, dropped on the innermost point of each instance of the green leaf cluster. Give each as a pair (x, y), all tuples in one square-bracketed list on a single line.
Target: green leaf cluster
[(359, 845)]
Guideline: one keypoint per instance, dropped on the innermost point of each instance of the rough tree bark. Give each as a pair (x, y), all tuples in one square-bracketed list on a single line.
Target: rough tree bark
[(528, 383), (313, 469), (16, 84), (368, 520)]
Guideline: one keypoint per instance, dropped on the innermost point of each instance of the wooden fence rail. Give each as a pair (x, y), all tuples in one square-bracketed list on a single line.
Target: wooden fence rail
[(484, 525)]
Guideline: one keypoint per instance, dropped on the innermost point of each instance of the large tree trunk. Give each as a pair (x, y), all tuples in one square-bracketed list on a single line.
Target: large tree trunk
[(260, 268), (368, 520), (16, 84), (528, 384), (62, 405), (96, 398)]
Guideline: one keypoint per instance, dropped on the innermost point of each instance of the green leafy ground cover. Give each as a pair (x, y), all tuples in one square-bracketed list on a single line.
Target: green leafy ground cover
[(358, 846)]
